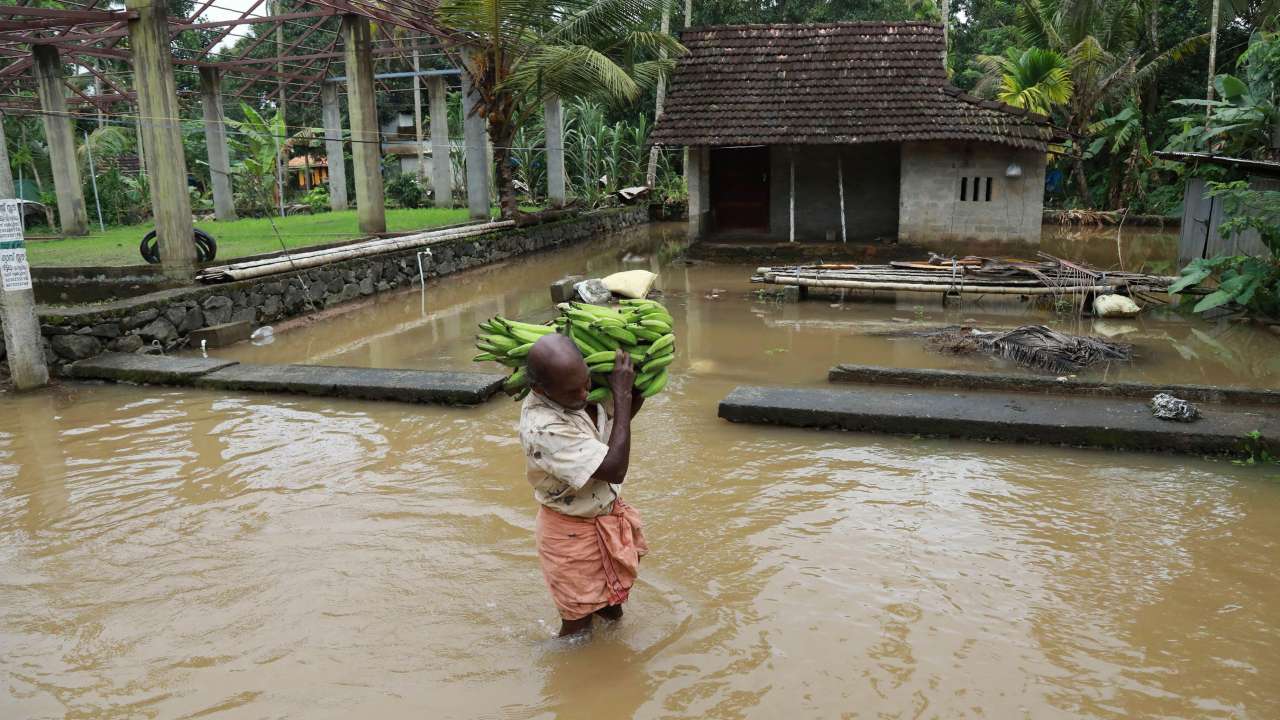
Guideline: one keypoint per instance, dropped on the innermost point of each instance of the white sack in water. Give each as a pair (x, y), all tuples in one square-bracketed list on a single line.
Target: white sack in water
[(1115, 306), (631, 283)]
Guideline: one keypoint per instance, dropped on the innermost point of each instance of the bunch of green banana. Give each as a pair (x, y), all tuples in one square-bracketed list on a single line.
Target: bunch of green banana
[(642, 328), (509, 342)]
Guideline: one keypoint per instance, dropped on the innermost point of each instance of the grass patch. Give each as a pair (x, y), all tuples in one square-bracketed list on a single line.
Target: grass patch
[(250, 236)]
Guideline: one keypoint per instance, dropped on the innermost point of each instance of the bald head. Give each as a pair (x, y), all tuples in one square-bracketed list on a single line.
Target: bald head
[(556, 371)]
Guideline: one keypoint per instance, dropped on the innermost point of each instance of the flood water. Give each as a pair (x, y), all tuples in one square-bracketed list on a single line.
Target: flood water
[(172, 553)]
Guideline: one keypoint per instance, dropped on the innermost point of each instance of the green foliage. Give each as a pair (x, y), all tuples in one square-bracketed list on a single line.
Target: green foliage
[(405, 191), (1241, 122), (259, 143), (317, 198), (1248, 283), (520, 52), (1255, 451), (1035, 79)]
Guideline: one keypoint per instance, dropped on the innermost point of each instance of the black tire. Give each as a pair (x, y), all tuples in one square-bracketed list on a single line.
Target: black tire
[(206, 247)]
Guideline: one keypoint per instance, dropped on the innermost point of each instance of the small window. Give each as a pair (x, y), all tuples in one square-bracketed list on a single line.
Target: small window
[(964, 189), (988, 197), (979, 194)]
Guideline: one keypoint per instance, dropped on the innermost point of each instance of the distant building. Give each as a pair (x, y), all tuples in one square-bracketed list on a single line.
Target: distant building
[(316, 165), (399, 139), (1202, 215), (788, 124)]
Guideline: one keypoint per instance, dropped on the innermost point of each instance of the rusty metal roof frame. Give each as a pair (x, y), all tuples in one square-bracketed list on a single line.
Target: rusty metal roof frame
[(83, 30)]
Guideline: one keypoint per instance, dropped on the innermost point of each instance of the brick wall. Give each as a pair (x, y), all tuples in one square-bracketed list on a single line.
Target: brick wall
[(870, 191), (930, 208)]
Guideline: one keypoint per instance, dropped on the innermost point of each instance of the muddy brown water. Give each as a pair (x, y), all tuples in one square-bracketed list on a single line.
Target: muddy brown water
[(172, 553)]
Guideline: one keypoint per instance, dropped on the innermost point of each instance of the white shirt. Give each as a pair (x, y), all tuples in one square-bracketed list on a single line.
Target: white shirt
[(563, 449)]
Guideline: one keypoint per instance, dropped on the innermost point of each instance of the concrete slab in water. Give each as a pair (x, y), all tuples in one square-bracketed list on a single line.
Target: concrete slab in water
[(145, 369), (1084, 421), (967, 380), (420, 386)]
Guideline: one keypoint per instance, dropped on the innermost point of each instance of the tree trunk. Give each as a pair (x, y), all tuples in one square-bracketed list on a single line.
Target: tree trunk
[(1213, 57), (651, 174), (502, 134), (1082, 183)]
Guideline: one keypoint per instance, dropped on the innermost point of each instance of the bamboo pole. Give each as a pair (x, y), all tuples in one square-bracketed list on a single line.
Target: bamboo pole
[(919, 287), (791, 159), (295, 261), (946, 281), (844, 233)]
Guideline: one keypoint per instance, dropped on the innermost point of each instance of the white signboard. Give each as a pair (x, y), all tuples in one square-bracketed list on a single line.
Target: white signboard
[(14, 273)]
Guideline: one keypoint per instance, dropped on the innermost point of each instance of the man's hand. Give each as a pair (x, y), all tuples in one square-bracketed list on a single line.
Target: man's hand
[(613, 468), (623, 376)]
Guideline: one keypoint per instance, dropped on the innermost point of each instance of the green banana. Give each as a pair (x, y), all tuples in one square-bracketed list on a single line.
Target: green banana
[(484, 357), (658, 325), (620, 334), (521, 351), (600, 357), (657, 363), (584, 346), (605, 342), (518, 379), (602, 368), (501, 341), (664, 342), (655, 385), (599, 395), (644, 333), (524, 336)]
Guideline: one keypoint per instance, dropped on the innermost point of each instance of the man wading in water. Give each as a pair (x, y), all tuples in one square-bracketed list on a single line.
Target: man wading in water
[(589, 541)]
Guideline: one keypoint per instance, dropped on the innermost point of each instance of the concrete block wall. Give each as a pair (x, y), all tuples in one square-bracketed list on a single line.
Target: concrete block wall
[(930, 208), (870, 191), (167, 317)]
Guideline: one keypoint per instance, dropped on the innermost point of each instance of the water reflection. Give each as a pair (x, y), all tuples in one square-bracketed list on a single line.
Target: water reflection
[(174, 553)]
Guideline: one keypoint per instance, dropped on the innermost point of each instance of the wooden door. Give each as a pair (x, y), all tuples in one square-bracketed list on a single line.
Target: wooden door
[(740, 188)]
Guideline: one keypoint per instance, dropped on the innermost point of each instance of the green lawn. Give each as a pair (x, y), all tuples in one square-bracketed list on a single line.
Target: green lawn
[(253, 236)]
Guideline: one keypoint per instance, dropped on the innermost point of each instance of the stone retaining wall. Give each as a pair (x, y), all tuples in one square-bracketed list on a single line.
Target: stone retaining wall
[(165, 318)]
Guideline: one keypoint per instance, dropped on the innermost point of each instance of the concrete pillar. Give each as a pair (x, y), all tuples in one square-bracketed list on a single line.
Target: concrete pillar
[(61, 140), (215, 140), (441, 162), (162, 137), (22, 342), (553, 119), (476, 136), (366, 150), (698, 178), (332, 110), (417, 117), (7, 188)]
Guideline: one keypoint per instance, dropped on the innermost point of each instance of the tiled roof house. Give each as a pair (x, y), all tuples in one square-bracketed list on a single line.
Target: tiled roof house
[(848, 131)]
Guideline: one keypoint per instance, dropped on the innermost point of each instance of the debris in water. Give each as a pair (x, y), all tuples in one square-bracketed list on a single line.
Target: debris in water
[(1167, 407), (1032, 346)]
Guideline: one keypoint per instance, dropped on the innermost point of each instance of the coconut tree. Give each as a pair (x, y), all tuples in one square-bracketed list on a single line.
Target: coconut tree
[(518, 53), (1102, 41), (1035, 79)]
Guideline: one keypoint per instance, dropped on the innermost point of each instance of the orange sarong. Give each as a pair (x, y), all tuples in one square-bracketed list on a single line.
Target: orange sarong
[(590, 563)]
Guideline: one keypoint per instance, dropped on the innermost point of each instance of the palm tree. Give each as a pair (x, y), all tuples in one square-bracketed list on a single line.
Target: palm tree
[(1035, 79), (518, 53), (1102, 41)]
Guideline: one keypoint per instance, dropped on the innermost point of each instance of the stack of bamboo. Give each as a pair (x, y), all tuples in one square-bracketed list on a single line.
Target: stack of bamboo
[(969, 275)]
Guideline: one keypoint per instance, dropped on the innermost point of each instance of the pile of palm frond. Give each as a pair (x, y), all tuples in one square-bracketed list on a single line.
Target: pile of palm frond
[(1033, 346)]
